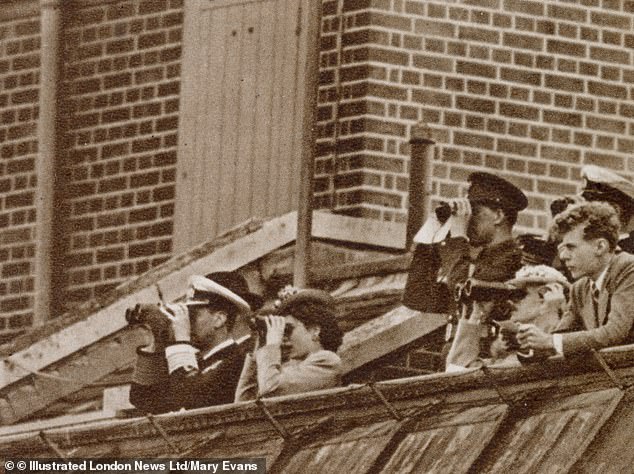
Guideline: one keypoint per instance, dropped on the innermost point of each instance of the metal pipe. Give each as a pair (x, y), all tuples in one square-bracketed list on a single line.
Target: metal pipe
[(421, 156), (47, 156), (305, 204)]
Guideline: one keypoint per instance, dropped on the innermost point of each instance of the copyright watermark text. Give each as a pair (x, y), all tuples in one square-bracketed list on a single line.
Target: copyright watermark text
[(214, 466)]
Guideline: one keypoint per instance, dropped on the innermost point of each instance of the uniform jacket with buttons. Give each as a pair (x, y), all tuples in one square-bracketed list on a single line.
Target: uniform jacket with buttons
[(214, 382), (437, 268)]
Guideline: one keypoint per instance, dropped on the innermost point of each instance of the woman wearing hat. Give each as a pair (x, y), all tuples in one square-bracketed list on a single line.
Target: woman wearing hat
[(542, 304), (298, 353)]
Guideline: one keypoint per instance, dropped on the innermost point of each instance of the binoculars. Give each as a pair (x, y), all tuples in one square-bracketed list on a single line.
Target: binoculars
[(143, 314), (258, 325), (508, 330), (443, 212), (478, 290)]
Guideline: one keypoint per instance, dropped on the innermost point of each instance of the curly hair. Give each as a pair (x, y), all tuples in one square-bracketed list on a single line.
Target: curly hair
[(313, 314), (600, 220)]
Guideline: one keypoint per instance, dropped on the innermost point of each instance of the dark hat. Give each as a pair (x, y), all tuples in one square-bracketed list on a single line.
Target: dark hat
[(491, 188), (601, 184), (230, 286), (536, 250), (319, 297)]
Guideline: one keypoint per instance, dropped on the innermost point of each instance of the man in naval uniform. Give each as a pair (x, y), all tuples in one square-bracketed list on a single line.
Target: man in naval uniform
[(199, 363)]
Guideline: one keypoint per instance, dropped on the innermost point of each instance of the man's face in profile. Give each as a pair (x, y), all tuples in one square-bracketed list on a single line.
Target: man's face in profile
[(481, 227), (543, 303), (579, 254)]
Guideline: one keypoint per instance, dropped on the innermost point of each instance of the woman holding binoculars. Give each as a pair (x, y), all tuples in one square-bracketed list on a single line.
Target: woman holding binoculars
[(295, 349)]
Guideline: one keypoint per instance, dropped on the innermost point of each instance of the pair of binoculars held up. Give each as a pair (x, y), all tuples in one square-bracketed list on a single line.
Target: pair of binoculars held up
[(478, 290), (258, 325), (443, 212)]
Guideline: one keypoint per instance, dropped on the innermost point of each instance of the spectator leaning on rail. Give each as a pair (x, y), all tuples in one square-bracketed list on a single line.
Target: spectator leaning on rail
[(193, 360), (298, 351), (601, 310), (542, 303), (480, 245)]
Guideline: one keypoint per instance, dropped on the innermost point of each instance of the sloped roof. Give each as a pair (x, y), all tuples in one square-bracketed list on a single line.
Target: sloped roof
[(80, 348), (559, 416)]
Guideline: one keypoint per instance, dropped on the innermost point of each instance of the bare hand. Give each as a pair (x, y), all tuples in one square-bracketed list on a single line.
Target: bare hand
[(178, 314), (275, 329), (531, 337), (553, 296), (461, 213)]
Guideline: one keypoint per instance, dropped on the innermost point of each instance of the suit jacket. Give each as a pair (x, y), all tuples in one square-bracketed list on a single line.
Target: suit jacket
[(213, 383), (267, 376), (437, 268), (612, 325)]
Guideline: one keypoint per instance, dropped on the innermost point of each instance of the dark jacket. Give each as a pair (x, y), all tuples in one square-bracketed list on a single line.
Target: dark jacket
[(437, 268), (213, 383)]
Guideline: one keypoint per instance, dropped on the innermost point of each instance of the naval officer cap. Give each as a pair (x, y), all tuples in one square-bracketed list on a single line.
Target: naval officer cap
[(204, 291), (601, 184)]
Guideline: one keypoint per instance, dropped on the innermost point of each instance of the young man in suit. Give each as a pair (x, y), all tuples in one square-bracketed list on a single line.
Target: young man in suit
[(601, 310), (196, 362)]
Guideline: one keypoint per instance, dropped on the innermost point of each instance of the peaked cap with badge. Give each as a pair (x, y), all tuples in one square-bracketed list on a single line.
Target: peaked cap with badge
[(229, 286), (601, 184), (490, 188)]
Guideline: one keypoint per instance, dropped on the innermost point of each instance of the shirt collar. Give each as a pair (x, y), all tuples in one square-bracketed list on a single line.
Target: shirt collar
[(601, 279), (214, 350)]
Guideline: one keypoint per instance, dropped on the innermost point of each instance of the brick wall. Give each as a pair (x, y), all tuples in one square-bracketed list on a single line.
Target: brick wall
[(122, 81), (531, 88), (19, 87)]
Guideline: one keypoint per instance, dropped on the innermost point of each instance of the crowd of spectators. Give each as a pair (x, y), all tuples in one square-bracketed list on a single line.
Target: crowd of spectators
[(507, 299)]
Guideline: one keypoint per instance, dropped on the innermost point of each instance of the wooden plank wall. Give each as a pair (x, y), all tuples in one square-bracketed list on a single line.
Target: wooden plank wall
[(241, 113)]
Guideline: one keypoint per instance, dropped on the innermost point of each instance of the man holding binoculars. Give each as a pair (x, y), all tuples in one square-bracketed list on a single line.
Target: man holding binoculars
[(193, 360), (536, 296), (465, 238)]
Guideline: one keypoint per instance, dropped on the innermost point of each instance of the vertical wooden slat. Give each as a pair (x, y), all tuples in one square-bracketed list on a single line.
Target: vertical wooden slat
[(201, 156), (276, 109), (231, 89), (264, 90), (248, 84), (187, 128), (215, 111), (290, 18)]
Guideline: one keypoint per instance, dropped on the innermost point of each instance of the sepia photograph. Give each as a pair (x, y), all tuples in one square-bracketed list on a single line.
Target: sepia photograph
[(316, 236)]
